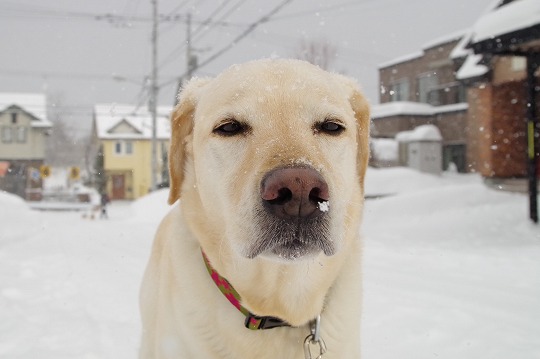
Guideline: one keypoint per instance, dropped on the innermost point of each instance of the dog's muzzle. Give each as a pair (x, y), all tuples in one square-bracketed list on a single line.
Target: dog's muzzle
[(294, 219)]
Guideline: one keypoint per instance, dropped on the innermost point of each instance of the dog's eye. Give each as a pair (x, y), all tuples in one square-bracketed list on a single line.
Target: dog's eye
[(330, 127), (230, 128)]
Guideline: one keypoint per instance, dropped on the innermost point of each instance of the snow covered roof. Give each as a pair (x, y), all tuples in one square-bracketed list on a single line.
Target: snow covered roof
[(120, 121), (399, 60), (420, 133), (445, 39), (471, 68), (461, 50), (34, 104), (433, 43), (496, 21), (400, 108), (517, 15)]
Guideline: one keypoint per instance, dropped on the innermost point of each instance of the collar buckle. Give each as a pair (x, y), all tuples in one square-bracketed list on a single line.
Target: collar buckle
[(254, 322)]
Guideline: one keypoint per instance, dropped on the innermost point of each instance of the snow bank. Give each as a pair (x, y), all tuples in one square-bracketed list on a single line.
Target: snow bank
[(398, 180), (453, 214), (17, 220), (152, 207), (451, 270), (384, 149)]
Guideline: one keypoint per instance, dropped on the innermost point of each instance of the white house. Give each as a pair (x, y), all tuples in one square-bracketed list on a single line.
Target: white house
[(24, 128)]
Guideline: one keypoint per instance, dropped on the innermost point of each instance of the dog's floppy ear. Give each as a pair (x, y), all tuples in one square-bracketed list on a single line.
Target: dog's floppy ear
[(360, 107), (181, 127)]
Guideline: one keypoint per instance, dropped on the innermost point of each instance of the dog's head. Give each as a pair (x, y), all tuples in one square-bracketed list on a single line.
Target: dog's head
[(269, 159)]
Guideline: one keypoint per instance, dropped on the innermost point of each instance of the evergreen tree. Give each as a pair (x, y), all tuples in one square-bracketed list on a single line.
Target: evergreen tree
[(100, 179), (165, 167)]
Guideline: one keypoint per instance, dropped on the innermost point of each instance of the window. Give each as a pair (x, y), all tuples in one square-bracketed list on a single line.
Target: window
[(21, 134), (427, 88), (13, 118), (399, 91), (123, 148), (118, 148), (462, 93), (7, 135), (519, 63), (128, 147)]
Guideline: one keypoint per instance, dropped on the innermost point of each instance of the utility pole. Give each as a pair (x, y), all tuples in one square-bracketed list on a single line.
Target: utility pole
[(154, 92), (533, 63), (191, 59), (188, 46)]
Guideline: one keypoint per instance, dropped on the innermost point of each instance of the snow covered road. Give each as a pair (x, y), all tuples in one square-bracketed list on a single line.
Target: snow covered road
[(451, 270), (69, 288)]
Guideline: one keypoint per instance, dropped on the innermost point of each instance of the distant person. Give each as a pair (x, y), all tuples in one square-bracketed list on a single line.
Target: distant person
[(105, 200)]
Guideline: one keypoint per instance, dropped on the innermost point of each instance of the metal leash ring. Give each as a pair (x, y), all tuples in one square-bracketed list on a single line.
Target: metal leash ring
[(313, 339), (310, 340)]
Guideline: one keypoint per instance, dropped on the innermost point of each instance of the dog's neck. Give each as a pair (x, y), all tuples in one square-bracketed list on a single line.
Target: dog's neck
[(296, 293), (252, 321)]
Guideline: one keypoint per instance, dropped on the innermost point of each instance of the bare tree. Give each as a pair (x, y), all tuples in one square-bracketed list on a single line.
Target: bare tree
[(63, 147), (317, 52)]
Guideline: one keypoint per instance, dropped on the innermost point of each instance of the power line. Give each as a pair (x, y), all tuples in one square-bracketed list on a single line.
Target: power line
[(47, 14), (245, 33), (128, 3), (178, 7), (211, 22), (322, 9), (240, 37), (174, 11), (280, 39), (210, 17), (134, 79), (203, 26)]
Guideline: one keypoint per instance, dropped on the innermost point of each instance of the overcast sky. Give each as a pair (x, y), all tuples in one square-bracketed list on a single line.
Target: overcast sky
[(78, 56)]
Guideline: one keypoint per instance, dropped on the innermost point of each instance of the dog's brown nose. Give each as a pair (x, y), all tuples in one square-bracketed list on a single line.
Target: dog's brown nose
[(295, 192)]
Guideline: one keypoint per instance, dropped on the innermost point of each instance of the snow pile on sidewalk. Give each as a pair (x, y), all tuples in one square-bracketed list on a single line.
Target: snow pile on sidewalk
[(451, 270), (16, 219), (151, 208)]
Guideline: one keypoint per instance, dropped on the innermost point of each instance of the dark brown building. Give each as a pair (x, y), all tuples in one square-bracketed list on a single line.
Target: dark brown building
[(496, 52), (422, 89), (474, 87)]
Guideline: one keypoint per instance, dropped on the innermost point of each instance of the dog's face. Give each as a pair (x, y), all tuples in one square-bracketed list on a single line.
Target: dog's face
[(271, 156)]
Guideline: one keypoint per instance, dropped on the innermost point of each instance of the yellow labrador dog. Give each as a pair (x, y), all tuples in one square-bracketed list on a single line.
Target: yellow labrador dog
[(268, 161)]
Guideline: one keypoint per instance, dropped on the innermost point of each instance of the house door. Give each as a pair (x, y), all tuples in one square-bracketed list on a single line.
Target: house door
[(455, 154), (118, 187)]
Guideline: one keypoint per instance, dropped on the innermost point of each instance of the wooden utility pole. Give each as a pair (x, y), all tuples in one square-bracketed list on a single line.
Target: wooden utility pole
[(154, 93), (191, 61)]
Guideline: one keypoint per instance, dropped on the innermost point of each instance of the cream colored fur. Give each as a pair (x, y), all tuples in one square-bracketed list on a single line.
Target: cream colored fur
[(218, 179)]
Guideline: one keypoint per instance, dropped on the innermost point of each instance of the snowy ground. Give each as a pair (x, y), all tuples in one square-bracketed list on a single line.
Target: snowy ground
[(452, 270)]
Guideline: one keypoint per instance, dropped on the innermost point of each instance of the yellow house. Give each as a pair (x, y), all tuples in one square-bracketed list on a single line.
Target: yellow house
[(124, 134)]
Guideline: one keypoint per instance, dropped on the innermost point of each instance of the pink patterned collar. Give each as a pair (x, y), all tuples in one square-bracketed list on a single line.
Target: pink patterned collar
[(253, 322)]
